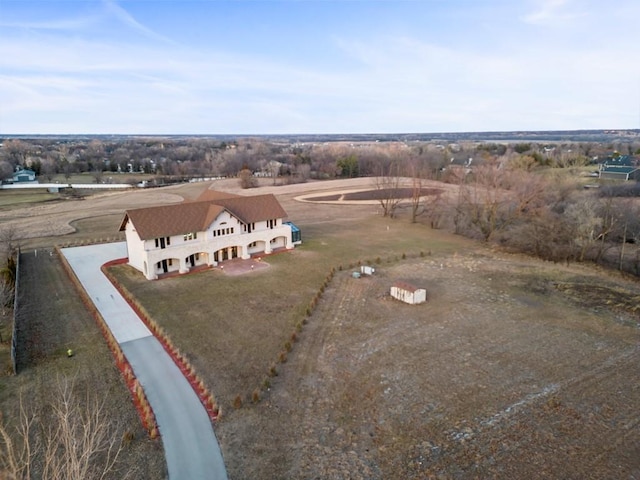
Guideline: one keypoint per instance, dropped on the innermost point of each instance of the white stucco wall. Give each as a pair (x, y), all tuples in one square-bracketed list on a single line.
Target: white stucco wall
[(205, 245), (135, 248)]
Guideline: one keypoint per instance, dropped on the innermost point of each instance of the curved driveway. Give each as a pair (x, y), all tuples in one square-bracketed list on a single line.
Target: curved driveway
[(190, 445)]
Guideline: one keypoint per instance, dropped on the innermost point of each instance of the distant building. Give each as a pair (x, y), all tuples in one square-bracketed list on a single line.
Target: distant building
[(23, 175), (621, 167)]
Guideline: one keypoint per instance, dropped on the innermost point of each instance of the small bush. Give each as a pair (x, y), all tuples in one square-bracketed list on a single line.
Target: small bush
[(282, 357), (287, 346), (294, 337), (128, 437), (340, 267), (255, 396), (299, 327), (237, 402), (404, 255), (266, 384), (273, 371), (378, 260)]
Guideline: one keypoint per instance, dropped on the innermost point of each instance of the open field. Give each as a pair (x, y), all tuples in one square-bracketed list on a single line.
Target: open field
[(514, 368)]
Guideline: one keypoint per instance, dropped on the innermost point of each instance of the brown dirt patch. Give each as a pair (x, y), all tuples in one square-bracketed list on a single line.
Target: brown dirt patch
[(489, 379)]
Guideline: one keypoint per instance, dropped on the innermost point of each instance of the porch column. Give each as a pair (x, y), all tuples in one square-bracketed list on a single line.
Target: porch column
[(244, 253), (183, 265)]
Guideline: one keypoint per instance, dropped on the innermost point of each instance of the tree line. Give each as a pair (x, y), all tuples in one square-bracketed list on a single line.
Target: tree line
[(201, 156)]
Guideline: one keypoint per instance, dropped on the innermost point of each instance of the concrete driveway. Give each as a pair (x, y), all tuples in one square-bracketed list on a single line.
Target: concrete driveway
[(190, 445)]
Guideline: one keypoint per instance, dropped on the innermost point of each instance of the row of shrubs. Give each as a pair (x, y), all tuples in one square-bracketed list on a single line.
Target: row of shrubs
[(287, 347), (197, 383), (257, 393), (137, 392)]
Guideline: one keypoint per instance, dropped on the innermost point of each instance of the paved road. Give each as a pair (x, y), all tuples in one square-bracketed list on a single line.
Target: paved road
[(190, 445)]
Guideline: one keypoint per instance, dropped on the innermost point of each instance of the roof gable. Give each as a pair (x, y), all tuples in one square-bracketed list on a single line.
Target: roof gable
[(253, 209)]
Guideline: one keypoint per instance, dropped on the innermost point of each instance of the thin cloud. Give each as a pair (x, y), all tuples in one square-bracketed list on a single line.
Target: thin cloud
[(552, 12), (126, 18)]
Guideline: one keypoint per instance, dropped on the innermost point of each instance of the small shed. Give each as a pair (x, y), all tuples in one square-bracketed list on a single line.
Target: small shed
[(367, 270), (408, 293)]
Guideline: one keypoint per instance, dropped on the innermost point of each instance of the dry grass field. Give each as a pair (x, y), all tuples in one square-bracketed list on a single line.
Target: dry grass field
[(514, 368)]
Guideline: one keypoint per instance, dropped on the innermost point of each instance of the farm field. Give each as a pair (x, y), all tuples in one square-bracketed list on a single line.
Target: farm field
[(514, 368)]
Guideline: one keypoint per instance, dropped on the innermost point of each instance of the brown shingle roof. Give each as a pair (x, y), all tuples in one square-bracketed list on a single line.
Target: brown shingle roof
[(182, 218), (253, 209)]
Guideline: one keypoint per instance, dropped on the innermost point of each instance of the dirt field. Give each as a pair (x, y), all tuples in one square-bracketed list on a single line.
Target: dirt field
[(514, 368)]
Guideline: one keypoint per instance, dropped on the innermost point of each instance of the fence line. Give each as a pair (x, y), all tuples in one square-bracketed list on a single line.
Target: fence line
[(16, 306)]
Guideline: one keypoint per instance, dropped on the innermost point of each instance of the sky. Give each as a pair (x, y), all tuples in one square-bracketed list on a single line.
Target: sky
[(317, 66)]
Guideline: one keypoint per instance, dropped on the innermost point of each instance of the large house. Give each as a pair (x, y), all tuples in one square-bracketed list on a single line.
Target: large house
[(216, 227)]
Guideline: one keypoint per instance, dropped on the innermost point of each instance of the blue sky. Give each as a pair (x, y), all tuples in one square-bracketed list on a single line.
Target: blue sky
[(331, 66)]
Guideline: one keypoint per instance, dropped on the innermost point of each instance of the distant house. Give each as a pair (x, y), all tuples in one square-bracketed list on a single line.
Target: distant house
[(408, 293), (23, 175), (216, 227), (622, 167), (620, 173)]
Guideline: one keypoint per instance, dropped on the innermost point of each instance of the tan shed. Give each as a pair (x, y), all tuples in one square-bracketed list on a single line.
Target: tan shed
[(408, 293)]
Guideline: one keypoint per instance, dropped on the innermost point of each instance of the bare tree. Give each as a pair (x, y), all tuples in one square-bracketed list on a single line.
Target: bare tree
[(74, 443), (497, 198), (417, 202), (387, 184), (247, 180), (18, 450)]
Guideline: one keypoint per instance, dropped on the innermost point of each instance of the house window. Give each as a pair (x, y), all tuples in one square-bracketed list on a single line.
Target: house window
[(190, 236), (163, 242)]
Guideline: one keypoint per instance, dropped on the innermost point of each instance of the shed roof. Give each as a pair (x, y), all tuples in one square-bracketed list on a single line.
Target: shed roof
[(182, 218), (406, 286), (618, 169)]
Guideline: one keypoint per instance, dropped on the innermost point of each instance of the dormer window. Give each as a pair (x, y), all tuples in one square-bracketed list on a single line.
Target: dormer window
[(190, 236)]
